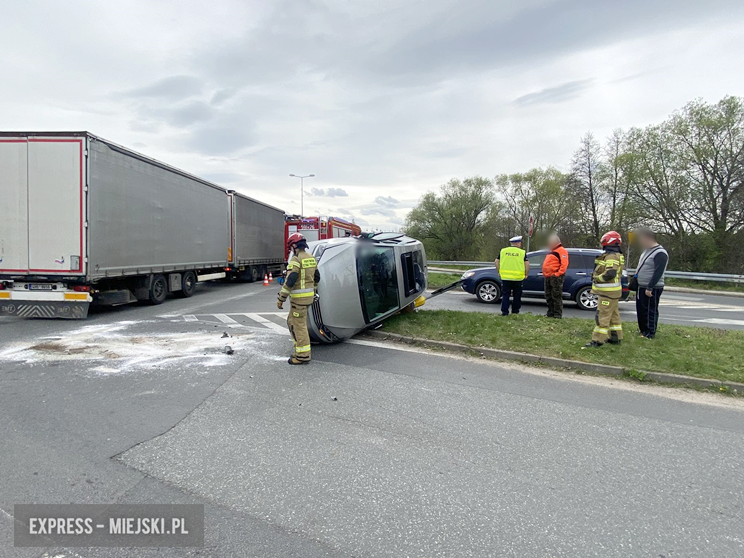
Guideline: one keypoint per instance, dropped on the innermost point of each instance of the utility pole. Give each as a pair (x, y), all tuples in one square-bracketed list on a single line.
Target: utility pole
[(302, 191)]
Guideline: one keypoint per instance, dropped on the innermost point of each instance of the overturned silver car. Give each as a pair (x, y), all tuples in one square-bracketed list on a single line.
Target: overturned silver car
[(364, 280)]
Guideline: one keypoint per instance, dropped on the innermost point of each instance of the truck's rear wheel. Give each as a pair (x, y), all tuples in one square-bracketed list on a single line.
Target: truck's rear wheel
[(255, 273), (188, 284), (158, 289)]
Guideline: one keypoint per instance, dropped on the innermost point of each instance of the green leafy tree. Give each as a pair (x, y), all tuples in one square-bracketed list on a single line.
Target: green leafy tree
[(452, 223), (709, 140)]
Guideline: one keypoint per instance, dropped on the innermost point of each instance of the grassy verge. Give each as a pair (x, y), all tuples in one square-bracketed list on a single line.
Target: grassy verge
[(457, 267), (705, 285), (692, 351), (437, 280)]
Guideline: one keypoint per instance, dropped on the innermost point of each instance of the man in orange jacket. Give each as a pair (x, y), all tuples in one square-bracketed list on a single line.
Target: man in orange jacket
[(554, 270)]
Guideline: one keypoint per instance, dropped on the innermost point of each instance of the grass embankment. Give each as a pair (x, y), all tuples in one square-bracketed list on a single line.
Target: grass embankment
[(437, 280), (692, 351)]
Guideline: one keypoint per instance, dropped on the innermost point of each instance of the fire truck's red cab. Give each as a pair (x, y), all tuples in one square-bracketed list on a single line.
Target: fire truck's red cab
[(319, 228)]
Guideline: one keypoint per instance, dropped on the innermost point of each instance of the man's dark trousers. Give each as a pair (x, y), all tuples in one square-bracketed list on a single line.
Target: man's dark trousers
[(647, 310), (554, 296), (513, 290)]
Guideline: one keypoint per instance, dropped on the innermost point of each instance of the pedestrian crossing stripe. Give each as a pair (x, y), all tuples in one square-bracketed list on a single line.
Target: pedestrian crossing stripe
[(232, 319)]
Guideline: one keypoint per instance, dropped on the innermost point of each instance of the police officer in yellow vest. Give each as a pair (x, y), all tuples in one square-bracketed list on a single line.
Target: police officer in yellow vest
[(300, 286), (607, 285), (513, 267)]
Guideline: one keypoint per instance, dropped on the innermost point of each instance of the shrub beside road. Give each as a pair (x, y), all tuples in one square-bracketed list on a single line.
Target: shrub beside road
[(690, 351)]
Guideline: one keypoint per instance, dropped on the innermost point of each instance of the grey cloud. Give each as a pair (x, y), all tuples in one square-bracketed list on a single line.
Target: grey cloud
[(329, 192), (189, 114), (388, 201), (221, 140), (484, 39), (378, 211), (557, 94), (223, 95), (174, 87)]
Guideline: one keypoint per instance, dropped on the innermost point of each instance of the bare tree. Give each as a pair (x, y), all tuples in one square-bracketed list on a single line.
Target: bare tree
[(586, 183)]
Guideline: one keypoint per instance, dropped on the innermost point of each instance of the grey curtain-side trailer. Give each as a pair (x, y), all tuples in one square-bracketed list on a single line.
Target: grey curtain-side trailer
[(85, 220)]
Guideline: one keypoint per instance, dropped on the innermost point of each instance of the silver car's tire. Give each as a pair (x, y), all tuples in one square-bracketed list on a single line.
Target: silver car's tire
[(586, 299), (488, 292)]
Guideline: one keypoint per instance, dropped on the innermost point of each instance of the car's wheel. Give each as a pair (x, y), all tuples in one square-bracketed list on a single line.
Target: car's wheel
[(188, 284), (158, 289), (586, 299), (488, 291)]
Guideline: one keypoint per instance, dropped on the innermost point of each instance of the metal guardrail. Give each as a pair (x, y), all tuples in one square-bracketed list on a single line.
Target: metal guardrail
[(689, 275)]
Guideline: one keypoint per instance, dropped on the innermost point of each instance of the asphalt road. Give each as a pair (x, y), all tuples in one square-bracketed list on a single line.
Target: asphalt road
[(371, 450), (725, 312)]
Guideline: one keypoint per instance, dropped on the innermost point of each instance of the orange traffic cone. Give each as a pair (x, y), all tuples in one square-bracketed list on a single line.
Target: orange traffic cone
[(271, 279), (266, 280)]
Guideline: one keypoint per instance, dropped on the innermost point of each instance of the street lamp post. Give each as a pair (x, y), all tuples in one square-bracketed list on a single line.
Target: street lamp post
[(302, 191)]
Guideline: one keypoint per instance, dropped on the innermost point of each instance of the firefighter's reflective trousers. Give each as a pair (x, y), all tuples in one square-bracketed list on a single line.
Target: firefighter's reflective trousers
[(297, 323), (608, 320)]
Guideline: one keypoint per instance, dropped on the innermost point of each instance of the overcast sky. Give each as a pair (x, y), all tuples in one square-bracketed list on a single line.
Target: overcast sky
[(381, 99)]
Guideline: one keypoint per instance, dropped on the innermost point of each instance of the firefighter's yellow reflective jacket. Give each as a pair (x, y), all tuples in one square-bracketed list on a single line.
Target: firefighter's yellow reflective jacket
[(608, 274), (302, 276)]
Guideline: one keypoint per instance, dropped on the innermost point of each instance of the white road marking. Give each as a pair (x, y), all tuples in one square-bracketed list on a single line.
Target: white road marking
[(391, 346), (720, 321), (266, 323), (191, 318), (225, 319)]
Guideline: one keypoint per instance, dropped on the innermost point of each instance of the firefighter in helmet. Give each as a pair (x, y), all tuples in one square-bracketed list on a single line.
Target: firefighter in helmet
[(299, 286), (607, 285)]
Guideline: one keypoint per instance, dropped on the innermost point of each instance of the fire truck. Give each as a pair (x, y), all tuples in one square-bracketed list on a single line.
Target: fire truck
[(319, 228)]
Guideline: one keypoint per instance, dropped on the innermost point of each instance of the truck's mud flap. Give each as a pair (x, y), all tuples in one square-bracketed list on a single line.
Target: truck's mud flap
[(43, 309)]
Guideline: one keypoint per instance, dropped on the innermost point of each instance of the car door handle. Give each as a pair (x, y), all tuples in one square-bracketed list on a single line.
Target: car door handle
[(580, 273), (539, 274)]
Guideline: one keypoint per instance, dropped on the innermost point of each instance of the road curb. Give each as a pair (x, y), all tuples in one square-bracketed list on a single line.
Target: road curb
[(603, 369)]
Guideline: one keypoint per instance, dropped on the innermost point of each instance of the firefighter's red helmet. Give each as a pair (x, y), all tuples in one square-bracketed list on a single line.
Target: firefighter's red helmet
[(294, 238), (611, 238)]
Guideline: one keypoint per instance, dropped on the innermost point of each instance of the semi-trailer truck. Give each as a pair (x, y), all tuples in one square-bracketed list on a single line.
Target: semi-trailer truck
[(84, 220)]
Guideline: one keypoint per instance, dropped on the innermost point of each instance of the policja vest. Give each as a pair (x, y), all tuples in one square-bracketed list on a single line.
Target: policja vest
[(511, 263)]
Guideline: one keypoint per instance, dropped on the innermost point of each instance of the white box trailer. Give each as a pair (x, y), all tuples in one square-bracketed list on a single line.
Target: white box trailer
[(83, 219)]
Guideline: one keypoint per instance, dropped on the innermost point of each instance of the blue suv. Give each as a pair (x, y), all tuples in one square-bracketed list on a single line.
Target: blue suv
[(485, 282)]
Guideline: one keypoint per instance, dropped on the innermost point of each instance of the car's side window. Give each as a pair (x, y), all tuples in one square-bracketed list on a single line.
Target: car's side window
[(536, 261), (588, 261), (576, 261), (378, 281)]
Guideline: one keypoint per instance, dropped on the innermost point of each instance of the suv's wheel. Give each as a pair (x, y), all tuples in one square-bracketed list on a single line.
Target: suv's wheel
[(488, 291), (586, 299), (158, 289)]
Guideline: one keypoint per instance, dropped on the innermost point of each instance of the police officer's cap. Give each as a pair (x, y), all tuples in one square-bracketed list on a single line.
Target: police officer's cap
[(515, 239)]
